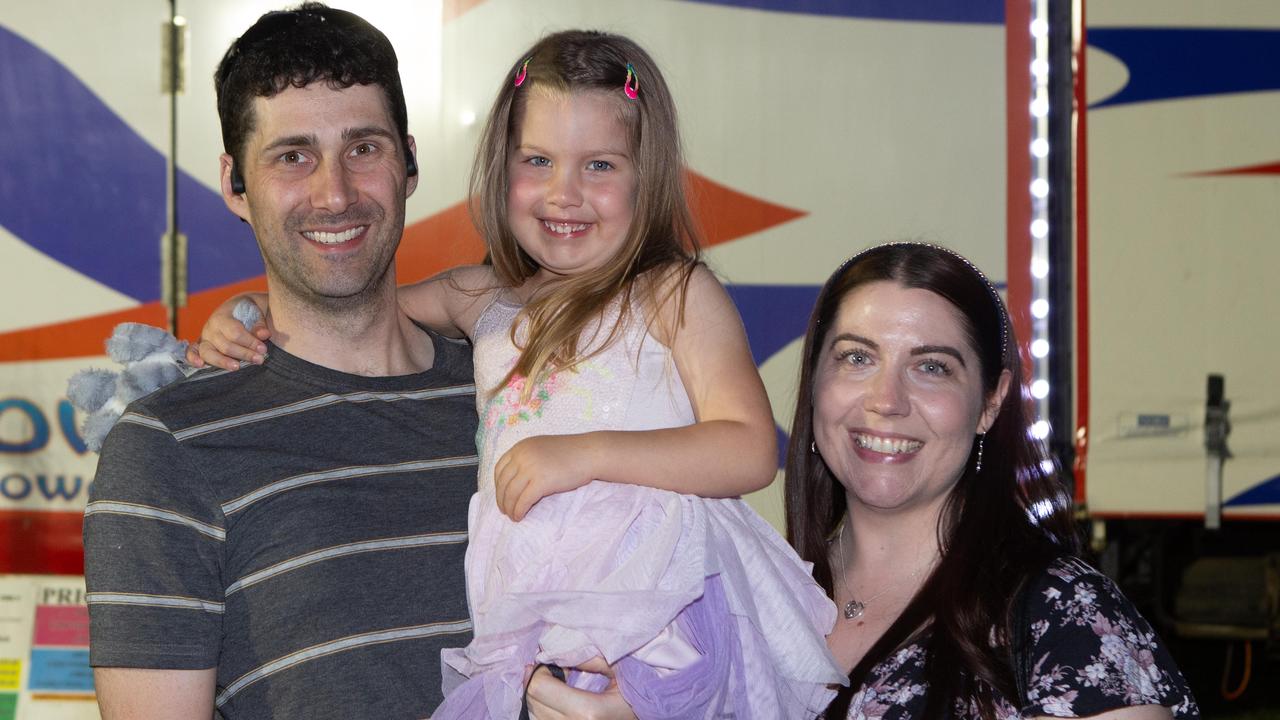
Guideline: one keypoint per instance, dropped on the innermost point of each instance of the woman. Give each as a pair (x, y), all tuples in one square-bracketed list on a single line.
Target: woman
[(937, 524)]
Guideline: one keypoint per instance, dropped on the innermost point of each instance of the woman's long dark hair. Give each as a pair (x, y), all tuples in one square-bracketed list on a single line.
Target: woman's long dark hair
[(997, 528)]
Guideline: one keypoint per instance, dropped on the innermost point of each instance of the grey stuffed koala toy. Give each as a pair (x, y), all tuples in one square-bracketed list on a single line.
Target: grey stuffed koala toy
[(152, 358)]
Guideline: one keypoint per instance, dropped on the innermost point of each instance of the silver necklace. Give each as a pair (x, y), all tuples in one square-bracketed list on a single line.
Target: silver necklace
[(855, 608)]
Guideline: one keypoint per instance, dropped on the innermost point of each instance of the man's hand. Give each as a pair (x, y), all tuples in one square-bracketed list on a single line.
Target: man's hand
[(551, 699)]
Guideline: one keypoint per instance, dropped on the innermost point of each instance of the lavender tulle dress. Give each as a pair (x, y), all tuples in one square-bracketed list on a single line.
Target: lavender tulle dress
[(704, 607)]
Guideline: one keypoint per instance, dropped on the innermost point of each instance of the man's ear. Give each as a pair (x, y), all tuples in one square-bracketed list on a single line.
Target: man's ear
[(991, 409), (411, 161), (236, 202)]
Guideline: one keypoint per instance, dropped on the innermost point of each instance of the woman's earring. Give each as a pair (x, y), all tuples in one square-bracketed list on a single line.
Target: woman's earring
[(813, 446), (977, 467)]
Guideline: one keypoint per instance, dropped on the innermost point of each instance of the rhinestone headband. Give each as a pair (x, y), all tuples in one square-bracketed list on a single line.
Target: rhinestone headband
[(991, 289)]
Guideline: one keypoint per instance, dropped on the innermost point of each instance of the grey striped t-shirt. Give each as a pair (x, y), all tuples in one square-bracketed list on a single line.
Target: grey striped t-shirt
[(301, 529)]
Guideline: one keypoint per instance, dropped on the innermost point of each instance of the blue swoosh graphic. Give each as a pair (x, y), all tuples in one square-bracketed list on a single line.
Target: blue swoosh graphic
[(1266, 492), (774, 315), (1168, 63), (955, 11), (81, 186)]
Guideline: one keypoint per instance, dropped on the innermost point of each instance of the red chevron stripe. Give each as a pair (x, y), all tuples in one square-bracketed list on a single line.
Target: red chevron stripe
[(1265, 169)]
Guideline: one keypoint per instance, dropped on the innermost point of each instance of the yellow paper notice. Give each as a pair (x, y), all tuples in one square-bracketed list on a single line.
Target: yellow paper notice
[(10, 674)]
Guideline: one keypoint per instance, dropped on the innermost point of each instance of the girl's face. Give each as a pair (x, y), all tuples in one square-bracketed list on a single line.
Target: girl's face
[(572, 182), (898, 397)]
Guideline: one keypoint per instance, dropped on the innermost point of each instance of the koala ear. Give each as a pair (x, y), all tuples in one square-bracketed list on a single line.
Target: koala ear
[(152, 358), (90, 389), (131, 342), (145, 378)]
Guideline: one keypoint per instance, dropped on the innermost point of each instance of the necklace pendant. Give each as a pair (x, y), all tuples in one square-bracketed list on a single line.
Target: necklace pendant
[(854, 610)]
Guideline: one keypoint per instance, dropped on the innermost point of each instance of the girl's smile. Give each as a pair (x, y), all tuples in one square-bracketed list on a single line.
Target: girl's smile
[(572, 183)]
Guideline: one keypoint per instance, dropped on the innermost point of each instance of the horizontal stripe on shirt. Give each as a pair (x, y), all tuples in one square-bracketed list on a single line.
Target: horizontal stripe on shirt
[(340, 645), (154, 513), (321, 401), (166, 601), (345, 473), (338, 551)]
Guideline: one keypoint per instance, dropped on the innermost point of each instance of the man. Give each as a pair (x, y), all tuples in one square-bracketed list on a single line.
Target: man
[(287, 540)]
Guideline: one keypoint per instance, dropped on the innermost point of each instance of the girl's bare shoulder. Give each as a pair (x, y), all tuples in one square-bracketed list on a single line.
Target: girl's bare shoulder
[(472, 278), (669, 294)]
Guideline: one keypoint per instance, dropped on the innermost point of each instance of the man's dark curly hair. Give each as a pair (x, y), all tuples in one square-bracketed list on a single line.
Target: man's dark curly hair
[(314, 43)]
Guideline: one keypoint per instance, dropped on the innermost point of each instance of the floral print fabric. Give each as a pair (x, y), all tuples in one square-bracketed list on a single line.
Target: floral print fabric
[(508, 407), (1090, 652)]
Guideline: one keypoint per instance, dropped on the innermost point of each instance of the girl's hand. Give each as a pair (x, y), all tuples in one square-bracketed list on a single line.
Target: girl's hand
[(224, 341), (540, 466), (551, 699)]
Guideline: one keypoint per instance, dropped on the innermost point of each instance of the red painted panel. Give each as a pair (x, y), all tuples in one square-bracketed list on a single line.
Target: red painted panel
[(34, 543)]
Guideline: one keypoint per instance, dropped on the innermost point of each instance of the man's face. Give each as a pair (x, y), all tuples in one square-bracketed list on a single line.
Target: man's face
[(325, 193)]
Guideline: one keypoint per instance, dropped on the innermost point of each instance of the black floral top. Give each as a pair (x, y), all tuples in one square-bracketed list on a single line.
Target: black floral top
[(1090, 652)]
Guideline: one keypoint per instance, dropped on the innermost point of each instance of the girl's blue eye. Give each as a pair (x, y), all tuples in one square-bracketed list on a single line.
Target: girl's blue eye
[(600, 165), (538, 161)]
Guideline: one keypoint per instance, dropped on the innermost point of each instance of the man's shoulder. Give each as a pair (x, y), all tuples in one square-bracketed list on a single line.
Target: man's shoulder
[(143, 459), (206, 397), (452, 360), (206, 390)]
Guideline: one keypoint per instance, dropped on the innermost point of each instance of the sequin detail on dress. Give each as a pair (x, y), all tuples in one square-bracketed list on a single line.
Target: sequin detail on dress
[(506, 407)]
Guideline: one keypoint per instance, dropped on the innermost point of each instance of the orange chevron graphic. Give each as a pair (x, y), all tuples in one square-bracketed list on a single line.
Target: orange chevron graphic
[(726, 214), (430, 245), (448, 238)]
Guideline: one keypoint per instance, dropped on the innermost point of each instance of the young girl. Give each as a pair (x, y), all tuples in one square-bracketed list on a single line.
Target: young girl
[(614, 387)]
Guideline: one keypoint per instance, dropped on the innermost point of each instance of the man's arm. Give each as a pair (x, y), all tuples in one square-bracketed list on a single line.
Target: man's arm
[(126, 693), (153, 537)]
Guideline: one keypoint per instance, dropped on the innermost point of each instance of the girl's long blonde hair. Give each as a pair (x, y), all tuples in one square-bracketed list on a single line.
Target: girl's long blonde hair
[(662, 241)]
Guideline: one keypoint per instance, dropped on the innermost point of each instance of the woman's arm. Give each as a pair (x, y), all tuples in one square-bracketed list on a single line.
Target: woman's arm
[(729, 450), (1076, 617)]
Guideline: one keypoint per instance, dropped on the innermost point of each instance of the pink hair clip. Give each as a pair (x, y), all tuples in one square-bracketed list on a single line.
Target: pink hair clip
[(632, 85), (524, 72)]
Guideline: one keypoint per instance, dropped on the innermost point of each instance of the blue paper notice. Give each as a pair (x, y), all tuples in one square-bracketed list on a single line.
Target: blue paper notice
[(58, 670)]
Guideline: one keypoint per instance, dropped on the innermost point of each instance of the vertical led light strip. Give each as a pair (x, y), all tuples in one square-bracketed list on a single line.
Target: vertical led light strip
[(1039, 150)]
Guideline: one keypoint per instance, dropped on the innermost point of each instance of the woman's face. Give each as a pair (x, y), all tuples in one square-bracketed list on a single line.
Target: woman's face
[(898, 397)]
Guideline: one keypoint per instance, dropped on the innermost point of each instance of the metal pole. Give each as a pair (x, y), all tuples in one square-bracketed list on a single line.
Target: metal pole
[(173, 255), (1217, 425)]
